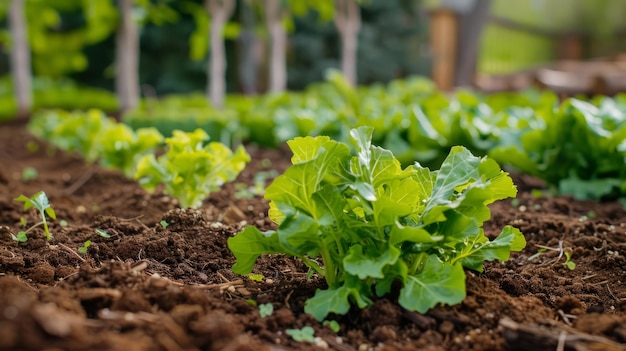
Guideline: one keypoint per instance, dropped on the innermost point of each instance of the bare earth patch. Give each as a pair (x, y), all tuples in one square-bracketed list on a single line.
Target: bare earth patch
[(155, 287)]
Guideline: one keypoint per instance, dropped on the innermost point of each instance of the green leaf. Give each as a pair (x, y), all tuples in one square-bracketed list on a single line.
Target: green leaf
[(510, 239), (437, 283), (307, 333), (266, 309), (366, 266), (335, 300), (248, 245)]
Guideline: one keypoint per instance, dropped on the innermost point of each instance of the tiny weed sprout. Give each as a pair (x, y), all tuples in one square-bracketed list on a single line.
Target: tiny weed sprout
[(29, 173), (164, 223), (256, 277), (40, 202), (333, 325), (102, 233), (190, 170), (568, 261), (63, 223), (83, 249), (307, 333), (562, 253), (376, 226), (266, 309)]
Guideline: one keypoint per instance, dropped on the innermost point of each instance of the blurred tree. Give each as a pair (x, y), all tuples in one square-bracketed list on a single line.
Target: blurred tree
[(127, 57), (20, 58), (278, 17), (134, 15), (220, 11), (348, 22), (392, 44)]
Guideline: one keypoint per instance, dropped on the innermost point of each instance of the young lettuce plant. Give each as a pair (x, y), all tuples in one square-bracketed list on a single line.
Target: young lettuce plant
[(122, 147), (41, 203), (189, 170), (374, 224)]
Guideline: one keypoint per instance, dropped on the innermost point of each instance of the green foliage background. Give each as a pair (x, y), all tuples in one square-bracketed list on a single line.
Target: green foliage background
[(391, 41)]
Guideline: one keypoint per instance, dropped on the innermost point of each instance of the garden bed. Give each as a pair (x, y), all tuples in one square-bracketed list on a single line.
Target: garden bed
[(155, 285)]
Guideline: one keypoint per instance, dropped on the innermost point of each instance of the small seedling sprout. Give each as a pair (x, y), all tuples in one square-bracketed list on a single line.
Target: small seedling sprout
[(562, 253), (333, 325), (29, 173), (307, 333), (256, 277), (83, 249), (102, 233), (41, 203), (164, 223), (266, 309)]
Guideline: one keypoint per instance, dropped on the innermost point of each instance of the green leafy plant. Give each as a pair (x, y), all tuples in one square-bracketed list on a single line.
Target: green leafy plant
[(83, 249), (374, 223), (29, 173), (164, 223), (580, 149), (102, 233), (306, 333), (562, 253), (190, 170), (40, 202), (333, 325), (122, 147), (266, 309)]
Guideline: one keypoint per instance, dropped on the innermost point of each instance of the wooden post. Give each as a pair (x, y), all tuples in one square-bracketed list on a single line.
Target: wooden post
[(443, 39), (570, 47)]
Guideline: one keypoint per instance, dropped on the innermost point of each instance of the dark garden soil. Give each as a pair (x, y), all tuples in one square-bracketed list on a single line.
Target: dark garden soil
[(153, 288)]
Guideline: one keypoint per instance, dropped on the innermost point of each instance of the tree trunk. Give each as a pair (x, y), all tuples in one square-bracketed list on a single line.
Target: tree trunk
[(470, 30), (220, 11), (348, 22), (278, 67), (20, 59), (127, 58), (249, 62)]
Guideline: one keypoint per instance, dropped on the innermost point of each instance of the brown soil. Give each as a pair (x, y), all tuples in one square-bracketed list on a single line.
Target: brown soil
[(153, 288)]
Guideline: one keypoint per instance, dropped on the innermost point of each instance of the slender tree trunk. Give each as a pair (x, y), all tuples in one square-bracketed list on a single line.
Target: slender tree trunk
[(471, 27), (220, 11), (249, 63), (20, 59), (274, 13), (348, 22), (127, 58)]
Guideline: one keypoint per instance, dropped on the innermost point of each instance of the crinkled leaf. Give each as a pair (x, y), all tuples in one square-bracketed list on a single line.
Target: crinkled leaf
[(367, 266), (248, 245), (335, 300), (510, 239), (437, 283)]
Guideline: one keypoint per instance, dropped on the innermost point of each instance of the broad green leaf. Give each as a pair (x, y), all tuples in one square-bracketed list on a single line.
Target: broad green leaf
[(438, 283), (510, 239), (335, 300), (248, 245), (366, 266)]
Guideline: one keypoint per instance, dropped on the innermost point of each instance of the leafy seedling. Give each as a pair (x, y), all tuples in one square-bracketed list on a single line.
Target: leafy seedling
[(568, 261), (266, 309), (333, 325), (305, 334), (29, 173), (40, 202), (164, 223), (83, 249), (189, 169), (365, 224), (102, 233), (256, 277), (563, 253)]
